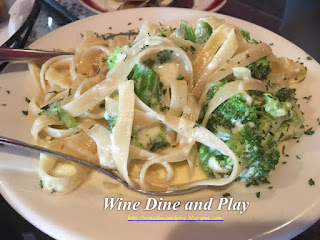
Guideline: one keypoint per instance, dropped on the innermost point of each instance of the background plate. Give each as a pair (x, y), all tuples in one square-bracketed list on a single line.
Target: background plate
[(102, 6), (285, 211)]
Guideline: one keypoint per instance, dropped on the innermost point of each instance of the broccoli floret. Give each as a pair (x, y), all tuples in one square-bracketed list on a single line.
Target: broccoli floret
[(286, 95), (146, 85), (260, 69), (151, 139), (186, 31), (276, 108), (232, 111), (55, 110), (203, 32), (291, 128), (111, 121), (214, 88), (161, 58), (116, 56), (213, 162), (246, 35), (258, 155), (249, 125)]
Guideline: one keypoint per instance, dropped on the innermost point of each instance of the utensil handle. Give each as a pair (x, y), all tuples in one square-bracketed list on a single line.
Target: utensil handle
[(35, 148), (9, 54)]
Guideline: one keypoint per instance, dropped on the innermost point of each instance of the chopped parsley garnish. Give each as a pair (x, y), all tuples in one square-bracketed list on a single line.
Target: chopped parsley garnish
[(247, 55), (102, 105), (91, 126), (283, 148), (41, 183), (173, 146), (53, 191), (53, 92), (258, 194), (8, 92), (270, 187), (226, 195), (311, 182), (270, 44), (180, 77), (281, 136), (69, 92), (25, 113), (27, 100), (3, 104), (190, 49), (197, 125), (284, 163), (129, 23), (308, 98), (298, 157), (104, 59), (264, 180), (309, 131), (222, 69), (309, 58), (164, 108), (52, 138), (164, 91)]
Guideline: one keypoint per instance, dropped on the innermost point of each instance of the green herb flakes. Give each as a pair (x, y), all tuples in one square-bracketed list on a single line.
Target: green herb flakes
[(180, 77), (311, 182), (309, 131)]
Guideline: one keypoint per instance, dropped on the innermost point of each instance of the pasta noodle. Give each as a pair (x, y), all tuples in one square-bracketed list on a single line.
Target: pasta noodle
[(141, 107)]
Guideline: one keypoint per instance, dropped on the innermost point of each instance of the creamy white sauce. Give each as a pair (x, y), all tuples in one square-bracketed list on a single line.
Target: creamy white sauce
[(167, 72), (145, 134), (242, 73), (63, 170), (215, 166)]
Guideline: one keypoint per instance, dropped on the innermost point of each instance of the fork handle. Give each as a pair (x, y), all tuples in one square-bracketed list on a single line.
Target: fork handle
[(10, 54), (35, 148)]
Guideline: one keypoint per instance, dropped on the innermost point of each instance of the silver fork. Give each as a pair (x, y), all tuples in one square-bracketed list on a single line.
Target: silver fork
[(110, 173), (10, 54)]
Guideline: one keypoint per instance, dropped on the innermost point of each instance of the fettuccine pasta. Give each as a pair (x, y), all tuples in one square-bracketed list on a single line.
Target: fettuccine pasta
[(150, 107)]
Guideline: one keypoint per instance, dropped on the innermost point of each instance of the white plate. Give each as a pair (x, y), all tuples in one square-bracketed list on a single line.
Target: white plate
[(102, 6), (286, 210)]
